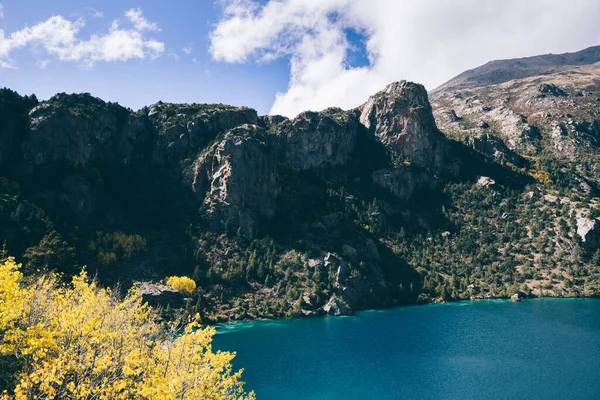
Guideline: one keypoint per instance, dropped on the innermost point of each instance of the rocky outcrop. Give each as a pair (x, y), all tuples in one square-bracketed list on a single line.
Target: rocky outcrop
[(185, 128), (494, 147), (589, 232), (400, 117), (552, 90), (316, 140), (550, 111), (236, 178), (485, 181), (82, 130), (516, 297), (158, 294), (336, 306), (14, 124)]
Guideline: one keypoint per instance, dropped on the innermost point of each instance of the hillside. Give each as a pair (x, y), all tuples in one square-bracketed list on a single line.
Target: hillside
[(500, 71), (330, 212)]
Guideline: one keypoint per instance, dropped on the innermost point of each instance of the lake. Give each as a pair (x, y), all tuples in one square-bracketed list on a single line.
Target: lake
[(536, 349)]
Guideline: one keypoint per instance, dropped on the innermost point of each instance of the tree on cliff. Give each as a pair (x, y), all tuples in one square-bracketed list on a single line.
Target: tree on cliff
[(80, 341)]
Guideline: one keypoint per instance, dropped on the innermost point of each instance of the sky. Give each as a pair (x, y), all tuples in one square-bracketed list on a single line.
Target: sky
[(277, 56)]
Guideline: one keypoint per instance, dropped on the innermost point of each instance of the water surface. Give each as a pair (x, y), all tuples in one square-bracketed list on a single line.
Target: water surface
[(537, 349)]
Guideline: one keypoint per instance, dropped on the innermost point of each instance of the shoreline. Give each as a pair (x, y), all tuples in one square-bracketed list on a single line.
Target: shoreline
[(236, 325)]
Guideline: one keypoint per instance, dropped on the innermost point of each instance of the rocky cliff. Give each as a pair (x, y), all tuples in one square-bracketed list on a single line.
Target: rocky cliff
[(329, 212)]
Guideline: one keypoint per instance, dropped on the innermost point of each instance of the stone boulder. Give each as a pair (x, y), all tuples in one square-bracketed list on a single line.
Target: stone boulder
[(485, 181), (336, 306), (159, 294), (516, 297), (553, 90), (589, 231)]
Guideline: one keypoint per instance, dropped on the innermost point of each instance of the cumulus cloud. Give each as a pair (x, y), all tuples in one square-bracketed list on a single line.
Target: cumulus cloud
[(427, 41), (58, 37), (139, 22)]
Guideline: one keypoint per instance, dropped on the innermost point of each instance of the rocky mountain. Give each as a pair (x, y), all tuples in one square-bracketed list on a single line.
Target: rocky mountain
[(500, 71), (329, 212), (543, 109)]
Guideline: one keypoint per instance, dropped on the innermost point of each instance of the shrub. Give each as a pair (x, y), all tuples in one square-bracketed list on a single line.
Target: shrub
[(182, 283), (80, 341), (116, 247)]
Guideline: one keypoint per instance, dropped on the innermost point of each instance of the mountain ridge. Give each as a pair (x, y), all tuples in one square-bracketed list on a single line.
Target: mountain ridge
[(329, 212), (500, 71)]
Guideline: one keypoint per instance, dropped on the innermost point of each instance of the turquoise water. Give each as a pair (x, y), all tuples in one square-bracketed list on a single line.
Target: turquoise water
[(537, 349)]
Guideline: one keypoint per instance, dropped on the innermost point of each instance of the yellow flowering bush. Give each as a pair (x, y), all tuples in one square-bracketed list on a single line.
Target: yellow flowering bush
[(182, 283), (81, 341)]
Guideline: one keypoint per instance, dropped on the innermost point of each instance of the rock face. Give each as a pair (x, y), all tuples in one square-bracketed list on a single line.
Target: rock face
[(158, 294), (516, 297), (494, 147), (317, 140), (542, 106), (589, 231), (336, 307), (187, 178), (236, 177), (553, 90), (14, 124), (80, 129), (227, 156), (185, 128), (400, 117), (485, 181)]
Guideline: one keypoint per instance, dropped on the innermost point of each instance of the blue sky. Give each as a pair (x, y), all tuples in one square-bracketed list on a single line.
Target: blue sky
[(175, 76), (278, 56)]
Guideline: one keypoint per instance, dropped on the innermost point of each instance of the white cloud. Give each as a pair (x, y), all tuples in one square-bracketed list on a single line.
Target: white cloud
[(427, 41), (1, 11), (43, 64), (188, 49), (58, 37), (6, 65), (95, 13), (139, 21)]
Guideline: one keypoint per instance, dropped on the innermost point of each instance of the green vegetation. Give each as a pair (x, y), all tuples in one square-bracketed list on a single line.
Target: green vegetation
[(337, 239), (116, 248)]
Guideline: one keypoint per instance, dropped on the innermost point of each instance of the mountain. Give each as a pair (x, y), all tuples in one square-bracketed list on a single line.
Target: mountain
[(329, 212), (500, 71), (544, 108)]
